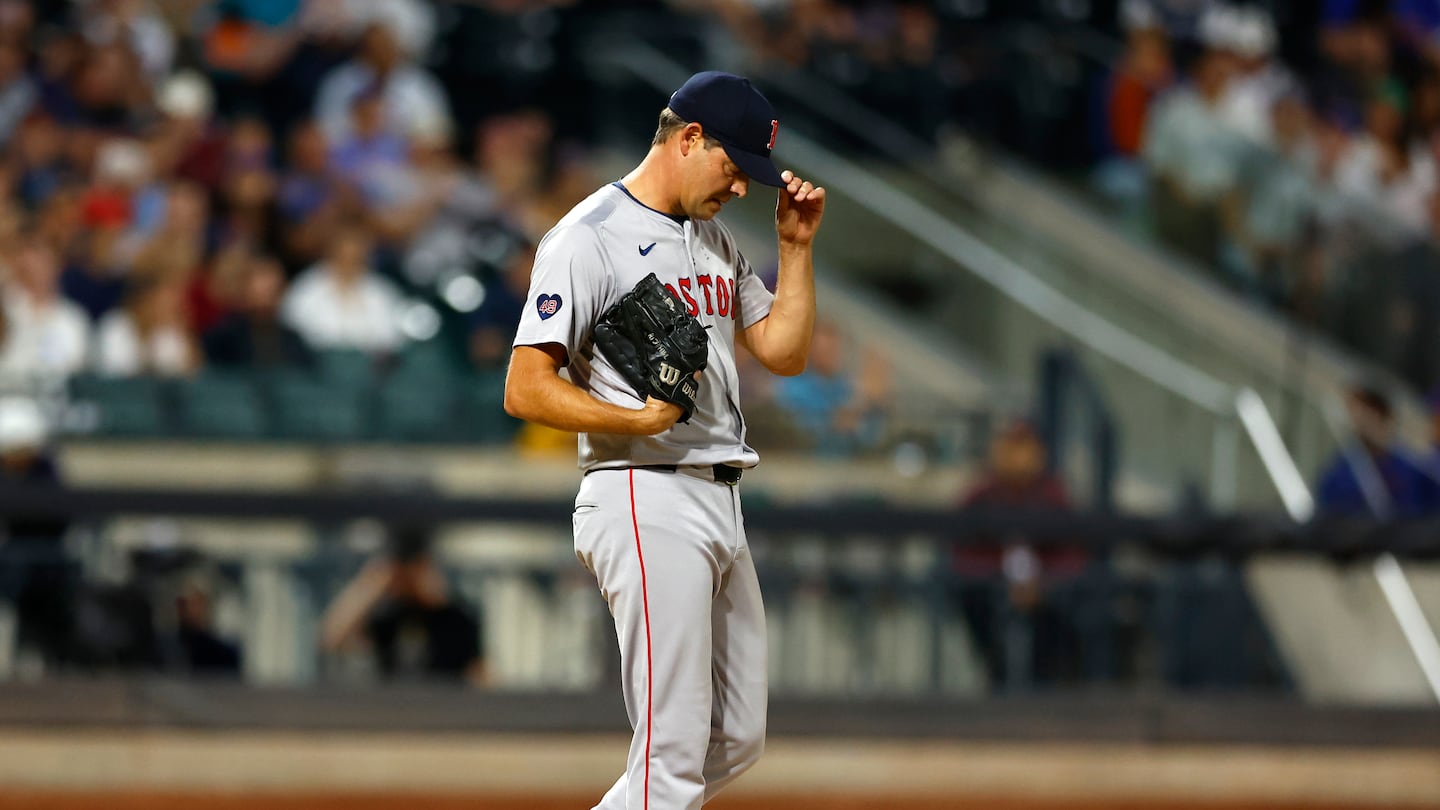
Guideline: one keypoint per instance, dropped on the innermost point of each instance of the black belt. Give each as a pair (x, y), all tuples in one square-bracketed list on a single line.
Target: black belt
[(724, 473)]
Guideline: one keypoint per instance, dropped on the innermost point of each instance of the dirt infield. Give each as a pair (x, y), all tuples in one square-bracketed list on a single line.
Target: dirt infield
[(163, 769), (409, 801)]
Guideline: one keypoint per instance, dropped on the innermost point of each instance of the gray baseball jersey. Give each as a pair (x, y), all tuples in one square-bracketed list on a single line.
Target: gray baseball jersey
[(666, 546), (596, 254)]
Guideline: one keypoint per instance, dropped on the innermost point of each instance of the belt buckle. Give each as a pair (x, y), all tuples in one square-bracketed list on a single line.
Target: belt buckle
[(725, 474)]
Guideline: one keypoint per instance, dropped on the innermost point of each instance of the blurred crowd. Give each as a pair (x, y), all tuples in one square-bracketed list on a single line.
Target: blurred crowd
[(258, 185), (1314, 188), (245, 183)]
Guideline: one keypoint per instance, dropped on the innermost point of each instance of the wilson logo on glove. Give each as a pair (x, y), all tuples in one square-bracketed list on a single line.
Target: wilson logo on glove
[(658, 346)]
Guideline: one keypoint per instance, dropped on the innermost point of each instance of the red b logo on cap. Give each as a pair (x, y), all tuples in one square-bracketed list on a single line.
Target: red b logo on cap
[(774, 130)]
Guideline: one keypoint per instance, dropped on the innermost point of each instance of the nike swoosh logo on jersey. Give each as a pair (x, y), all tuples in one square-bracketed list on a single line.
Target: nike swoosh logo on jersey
[(645, 251)]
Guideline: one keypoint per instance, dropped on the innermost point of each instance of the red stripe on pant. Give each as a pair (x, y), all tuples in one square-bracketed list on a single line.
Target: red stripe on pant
[(649, 663)]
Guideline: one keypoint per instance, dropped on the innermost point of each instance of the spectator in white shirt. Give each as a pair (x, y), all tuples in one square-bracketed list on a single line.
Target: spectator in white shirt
[(46, 334), (341, 303), (1194, 159), (150, 335), (409, 93), (1260, 80), (1386, 176)]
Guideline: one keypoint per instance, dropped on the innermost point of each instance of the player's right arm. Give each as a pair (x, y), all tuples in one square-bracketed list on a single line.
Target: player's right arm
[(535, 392), (568, 287)]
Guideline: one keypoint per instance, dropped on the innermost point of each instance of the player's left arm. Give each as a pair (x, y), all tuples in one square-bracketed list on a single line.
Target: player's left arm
[(781, 340)]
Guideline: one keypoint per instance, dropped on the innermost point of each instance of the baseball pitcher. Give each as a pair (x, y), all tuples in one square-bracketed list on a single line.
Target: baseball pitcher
[(641, 295)]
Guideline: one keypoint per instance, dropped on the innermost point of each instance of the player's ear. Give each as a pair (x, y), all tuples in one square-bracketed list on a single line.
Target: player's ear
[(691, 137)]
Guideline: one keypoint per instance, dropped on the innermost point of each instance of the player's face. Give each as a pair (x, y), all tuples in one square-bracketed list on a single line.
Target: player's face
[(714, 180)]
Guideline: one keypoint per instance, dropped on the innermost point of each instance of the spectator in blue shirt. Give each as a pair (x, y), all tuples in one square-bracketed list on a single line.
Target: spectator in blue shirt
[(1429, 462), (493, 324), (840, 411), (1390, 484)]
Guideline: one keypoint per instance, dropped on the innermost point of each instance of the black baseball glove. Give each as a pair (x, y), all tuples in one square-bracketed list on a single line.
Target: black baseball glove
[(655, 343)]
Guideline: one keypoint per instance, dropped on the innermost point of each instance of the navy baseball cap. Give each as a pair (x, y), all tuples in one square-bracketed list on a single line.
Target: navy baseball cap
[(734, 113)]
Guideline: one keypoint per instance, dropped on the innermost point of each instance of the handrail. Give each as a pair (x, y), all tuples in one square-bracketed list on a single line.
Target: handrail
[(1274, 456)]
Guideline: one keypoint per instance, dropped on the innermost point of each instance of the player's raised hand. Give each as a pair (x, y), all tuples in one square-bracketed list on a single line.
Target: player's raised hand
[(798, 210)]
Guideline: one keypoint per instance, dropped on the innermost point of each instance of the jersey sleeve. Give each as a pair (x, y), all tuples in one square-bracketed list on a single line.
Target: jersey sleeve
[(752, 299), (566, 286)]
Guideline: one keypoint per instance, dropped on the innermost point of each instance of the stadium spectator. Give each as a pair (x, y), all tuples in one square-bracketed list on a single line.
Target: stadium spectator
[(27, 459), (107, 92), (1181, 20), (1143, 73), (1279, 206), (512, 151), (1027, 607), (1194, 158), (204, 650), (1358, 59), (405, 91), (402, 608), (253, 336), (249, 187), (35, 573), (1428, 463), (38, 154), (342, 303), (371, 151), (312, 201), (1373, 476), (459, 199), (1417, 22), (838, 410), (1260, 80), (18, 92), (134, 25), (187, 143), (46, 335), (172, 239), (150, 335), (493, 324), (122, 172), (1145, 70), (1387, 169), (13, 221), (408, 198)]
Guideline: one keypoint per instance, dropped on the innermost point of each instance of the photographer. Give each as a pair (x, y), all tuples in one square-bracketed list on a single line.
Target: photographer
[(401, 607)]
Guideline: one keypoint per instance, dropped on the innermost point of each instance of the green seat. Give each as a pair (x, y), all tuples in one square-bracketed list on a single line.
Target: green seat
[(310, 409), (346, 368), (224, 406), (482, 409), (416, 407), (124, 406), (430, 358)]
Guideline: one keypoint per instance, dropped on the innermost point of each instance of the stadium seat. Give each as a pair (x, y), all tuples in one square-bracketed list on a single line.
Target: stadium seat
[(346, 368), (482, 410), (124, 406), (416, 406), (430, 358), (224, 406), (307, 408)]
